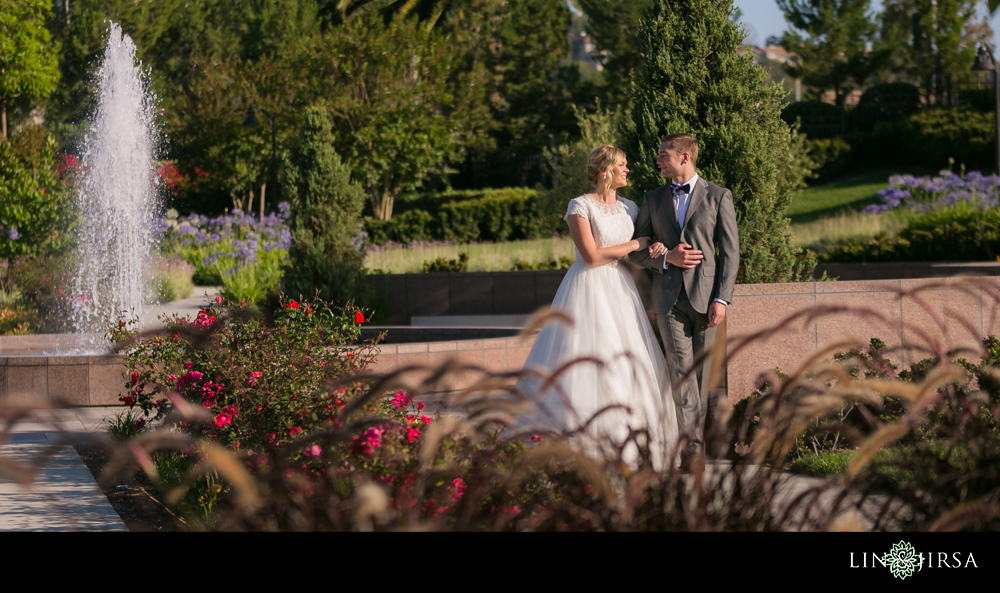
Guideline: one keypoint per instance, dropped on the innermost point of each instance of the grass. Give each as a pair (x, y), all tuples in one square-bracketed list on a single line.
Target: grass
[(821, 234), (891, 463), (827, 214), (828, 200), (821, 216), (483, 257)]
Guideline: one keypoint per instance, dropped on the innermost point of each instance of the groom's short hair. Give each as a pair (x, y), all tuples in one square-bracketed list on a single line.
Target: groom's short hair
[(682, 143)]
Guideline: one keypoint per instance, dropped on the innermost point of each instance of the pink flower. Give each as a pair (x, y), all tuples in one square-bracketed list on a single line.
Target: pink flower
[(412, 434), (459, 485), (223, 418), (426, 420), (218, 299), (372, 439), (187, 364), (537, 439), (313, 451), (295, 429), (252, 378), (420, 406), (172, 378), (401, 400)]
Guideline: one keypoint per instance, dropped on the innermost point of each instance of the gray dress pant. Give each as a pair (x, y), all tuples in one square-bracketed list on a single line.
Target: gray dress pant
[(685, 333)]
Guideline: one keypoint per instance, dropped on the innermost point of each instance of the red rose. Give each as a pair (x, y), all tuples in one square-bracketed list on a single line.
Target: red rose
[(292, 305), (359, 318)]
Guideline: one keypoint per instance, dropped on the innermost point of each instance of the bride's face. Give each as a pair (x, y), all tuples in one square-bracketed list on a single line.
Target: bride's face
[(619, 174)]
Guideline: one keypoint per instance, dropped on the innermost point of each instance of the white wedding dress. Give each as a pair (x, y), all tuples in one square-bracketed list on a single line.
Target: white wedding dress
[(610, 324)]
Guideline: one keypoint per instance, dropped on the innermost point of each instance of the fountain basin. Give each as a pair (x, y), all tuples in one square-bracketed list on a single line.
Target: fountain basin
[(60, 368)]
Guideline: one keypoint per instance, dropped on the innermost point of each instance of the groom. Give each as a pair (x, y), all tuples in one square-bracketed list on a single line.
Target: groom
[(689, 219)]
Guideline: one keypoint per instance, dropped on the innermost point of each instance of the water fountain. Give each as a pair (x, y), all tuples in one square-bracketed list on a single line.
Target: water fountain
[(117, 199), (117, 203)]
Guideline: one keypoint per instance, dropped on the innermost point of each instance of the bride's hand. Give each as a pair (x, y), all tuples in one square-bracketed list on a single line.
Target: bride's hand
[(643, 243)]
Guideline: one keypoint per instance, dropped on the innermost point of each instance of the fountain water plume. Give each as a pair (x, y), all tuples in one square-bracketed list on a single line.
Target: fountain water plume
[(118, 196)]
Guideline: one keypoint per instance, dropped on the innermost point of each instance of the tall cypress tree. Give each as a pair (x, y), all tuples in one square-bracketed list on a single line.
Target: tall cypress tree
[(691, 79), (326, 209)]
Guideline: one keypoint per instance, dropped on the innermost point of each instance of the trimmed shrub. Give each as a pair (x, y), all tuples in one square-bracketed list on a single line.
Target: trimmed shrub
[(823, 119), (927, 139), (830, 155), (949, 234), (324, 258), (497, 215)]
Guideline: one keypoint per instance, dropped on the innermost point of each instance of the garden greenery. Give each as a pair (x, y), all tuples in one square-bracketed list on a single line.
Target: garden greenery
[(241, 253), (482, 215), (949, 217)]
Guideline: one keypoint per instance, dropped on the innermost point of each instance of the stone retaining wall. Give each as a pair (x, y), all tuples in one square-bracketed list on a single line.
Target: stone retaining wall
[(69, 380), (958, 313)]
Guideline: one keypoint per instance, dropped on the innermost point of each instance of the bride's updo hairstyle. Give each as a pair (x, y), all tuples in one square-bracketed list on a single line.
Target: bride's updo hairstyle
[(600, 160)]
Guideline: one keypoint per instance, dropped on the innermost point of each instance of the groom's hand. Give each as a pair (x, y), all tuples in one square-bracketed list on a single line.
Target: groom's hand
[(683, 256), (716, 313)]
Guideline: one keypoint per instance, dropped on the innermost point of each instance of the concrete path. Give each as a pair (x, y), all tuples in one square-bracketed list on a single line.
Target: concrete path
[(64, 495), (188, 307)]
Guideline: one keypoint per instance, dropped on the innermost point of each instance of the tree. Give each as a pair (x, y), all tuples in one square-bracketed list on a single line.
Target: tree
[(389, 96), (613, 25), (830, 39), (568, 161), (930, 38), (34, 202), (326, 210), (691, 79), (28, 63)]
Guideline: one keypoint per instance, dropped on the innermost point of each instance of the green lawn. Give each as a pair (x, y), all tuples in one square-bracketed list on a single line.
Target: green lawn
[(824, 201)]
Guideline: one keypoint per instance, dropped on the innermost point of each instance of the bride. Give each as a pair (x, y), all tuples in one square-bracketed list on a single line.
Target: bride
[(609, 323)]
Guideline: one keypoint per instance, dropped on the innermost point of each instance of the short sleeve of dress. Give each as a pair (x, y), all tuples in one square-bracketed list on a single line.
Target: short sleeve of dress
[(578, 207), (631, 208)]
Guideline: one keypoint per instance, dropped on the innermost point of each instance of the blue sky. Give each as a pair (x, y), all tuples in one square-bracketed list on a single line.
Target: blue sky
[(763, 18)]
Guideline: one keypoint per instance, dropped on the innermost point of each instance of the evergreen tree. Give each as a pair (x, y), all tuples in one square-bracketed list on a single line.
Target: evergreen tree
[(613, 24), (691, 79), (326, 210)]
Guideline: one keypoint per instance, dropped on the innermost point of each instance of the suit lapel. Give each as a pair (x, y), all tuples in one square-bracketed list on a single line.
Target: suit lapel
[(698, 195), (668, 200)]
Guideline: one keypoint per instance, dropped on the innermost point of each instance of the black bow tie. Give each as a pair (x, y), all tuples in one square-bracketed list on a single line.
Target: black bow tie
[(684, 189)]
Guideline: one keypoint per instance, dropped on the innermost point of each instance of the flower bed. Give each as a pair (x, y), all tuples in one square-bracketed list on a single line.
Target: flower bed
[(948, 190), (241, 253)]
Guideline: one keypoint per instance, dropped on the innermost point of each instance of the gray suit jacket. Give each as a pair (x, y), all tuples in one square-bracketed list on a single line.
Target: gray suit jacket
[(710, 222)]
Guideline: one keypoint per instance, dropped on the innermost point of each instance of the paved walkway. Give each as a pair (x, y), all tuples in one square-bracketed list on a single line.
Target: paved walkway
[(64, 495), (188, 307)]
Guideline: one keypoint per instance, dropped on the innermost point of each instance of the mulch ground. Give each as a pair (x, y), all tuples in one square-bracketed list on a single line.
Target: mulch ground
[(140, 505)]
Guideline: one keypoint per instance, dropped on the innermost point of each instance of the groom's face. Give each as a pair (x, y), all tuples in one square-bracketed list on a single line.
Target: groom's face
[(670, 161)]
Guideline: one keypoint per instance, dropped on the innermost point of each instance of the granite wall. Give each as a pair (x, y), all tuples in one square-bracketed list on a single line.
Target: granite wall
[(910, 316)]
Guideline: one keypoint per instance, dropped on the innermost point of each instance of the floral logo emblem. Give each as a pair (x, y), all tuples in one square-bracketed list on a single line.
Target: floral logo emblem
[(902, 560)]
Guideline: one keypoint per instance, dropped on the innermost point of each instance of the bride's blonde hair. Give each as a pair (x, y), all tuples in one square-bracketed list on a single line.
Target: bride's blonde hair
[(599, 162)]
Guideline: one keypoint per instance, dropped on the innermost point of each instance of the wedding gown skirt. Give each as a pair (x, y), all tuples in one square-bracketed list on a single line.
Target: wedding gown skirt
[(610, 324)]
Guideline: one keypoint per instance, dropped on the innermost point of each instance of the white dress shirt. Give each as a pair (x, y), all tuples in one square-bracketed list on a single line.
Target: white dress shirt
[(681, 202)]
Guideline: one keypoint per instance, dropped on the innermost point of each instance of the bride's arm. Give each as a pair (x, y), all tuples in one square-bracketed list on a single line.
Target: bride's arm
[(583, 237)]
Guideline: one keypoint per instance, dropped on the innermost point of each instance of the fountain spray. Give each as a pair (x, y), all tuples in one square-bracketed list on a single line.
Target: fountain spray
[(118, 198)]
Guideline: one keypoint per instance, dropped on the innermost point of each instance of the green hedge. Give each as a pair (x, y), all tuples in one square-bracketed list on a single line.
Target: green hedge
[(951, 234), (927, 139), (465, 216)]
